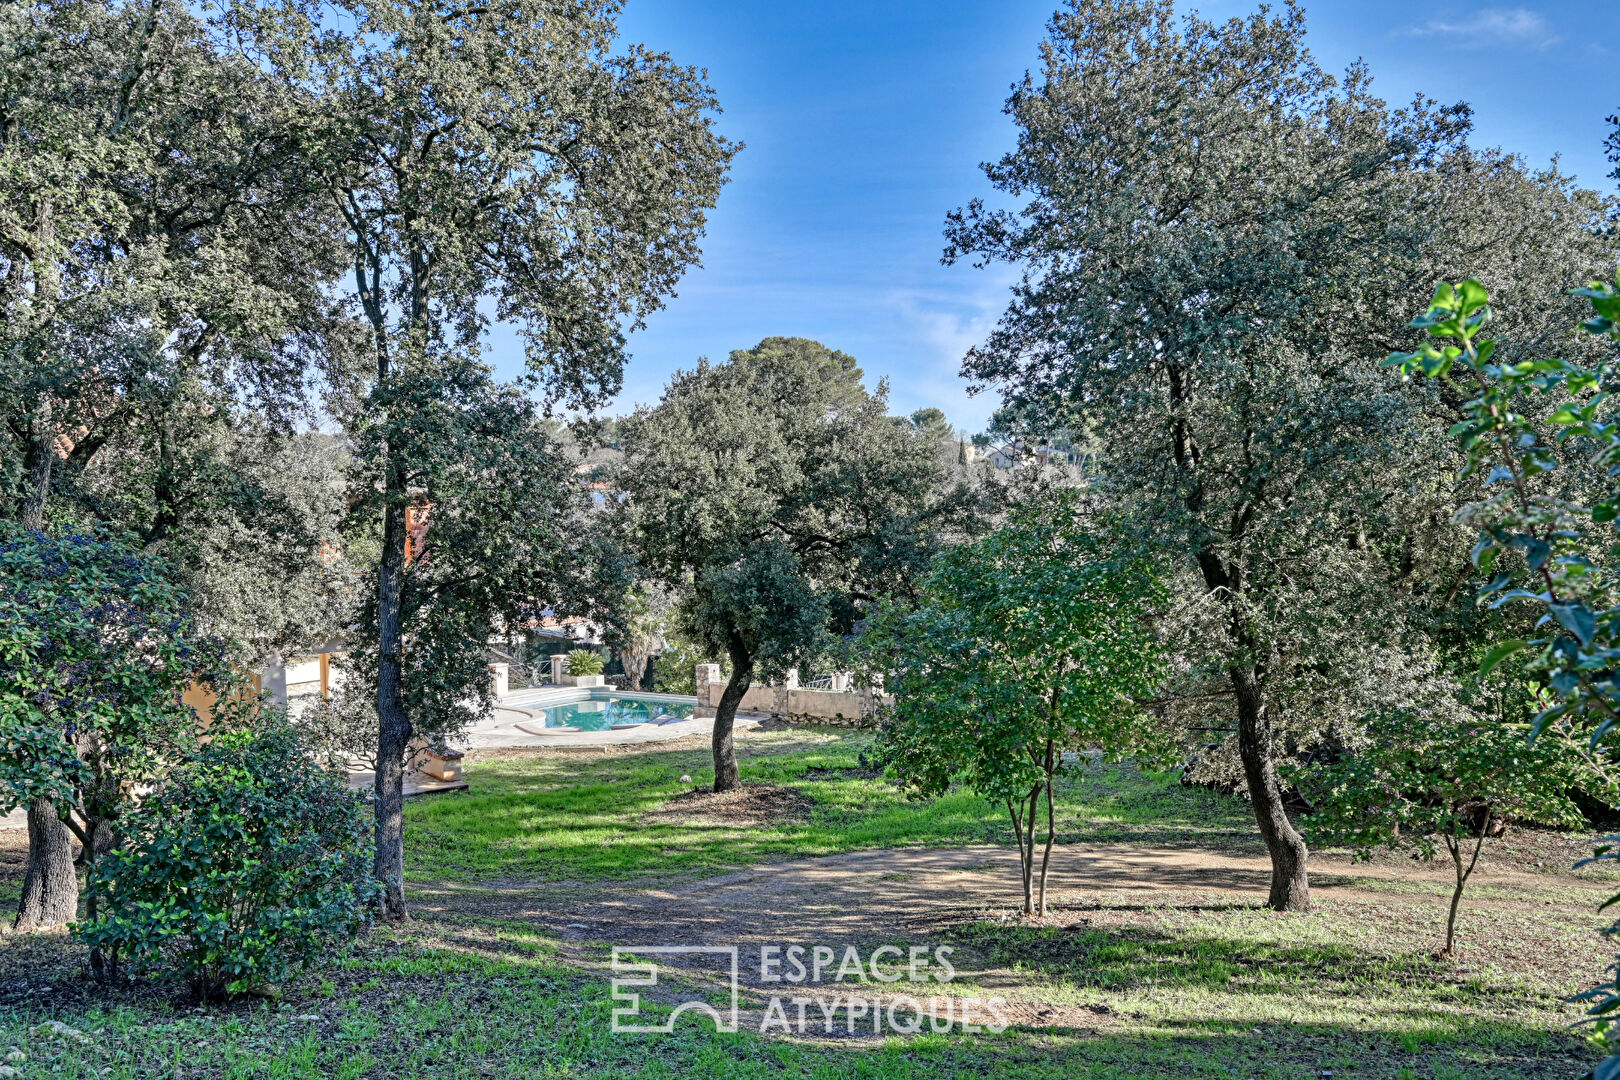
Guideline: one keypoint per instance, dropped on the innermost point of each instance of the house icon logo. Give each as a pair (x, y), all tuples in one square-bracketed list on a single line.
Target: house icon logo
[(630, 972)]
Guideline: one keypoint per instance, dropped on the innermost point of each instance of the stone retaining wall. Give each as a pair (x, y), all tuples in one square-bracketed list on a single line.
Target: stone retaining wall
[(838, 708)]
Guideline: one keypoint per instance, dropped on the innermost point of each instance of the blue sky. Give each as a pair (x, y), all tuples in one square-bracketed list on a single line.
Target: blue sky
[(865, 121)]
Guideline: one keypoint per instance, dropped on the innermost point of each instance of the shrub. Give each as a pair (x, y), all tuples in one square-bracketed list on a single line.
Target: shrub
[(675, 668), (248, 862), (584, 662)]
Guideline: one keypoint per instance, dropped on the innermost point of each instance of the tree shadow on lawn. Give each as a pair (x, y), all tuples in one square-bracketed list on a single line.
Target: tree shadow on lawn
[(495, 998), (1387, 1032), (561, 818), (1122, 960), (1132, 976)]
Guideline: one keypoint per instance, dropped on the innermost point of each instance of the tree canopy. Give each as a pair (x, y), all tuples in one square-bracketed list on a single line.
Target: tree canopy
[(778, 496), (160, 230), (1218, 240)]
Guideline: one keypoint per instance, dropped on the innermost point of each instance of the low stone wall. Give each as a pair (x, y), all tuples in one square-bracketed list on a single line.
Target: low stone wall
[(833, 707)]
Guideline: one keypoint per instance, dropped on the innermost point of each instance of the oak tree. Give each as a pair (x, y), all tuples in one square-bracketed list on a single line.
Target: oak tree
[(775, 494), (512, 162)]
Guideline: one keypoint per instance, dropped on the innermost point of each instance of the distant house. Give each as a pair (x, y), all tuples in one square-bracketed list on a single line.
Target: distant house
[(1017, 452)]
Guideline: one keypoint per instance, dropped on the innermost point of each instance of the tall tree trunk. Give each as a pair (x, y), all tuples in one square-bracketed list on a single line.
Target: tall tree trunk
[(50, 895), (37, 461), (725, 714), (393, 725), (1290, 886)]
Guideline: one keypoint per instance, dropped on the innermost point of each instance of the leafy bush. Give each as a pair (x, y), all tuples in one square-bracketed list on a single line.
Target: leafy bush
[(98, 645), (245, 864), (584, 662)]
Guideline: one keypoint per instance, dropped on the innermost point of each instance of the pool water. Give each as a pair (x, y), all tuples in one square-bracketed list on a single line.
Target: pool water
[(601, 715)]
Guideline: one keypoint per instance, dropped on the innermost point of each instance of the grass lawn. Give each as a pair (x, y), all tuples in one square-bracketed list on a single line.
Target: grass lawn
[(592, 817), (1191, 979)]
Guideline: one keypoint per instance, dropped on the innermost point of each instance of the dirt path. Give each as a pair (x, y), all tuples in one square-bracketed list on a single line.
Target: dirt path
[(907, 896), (874, 894)]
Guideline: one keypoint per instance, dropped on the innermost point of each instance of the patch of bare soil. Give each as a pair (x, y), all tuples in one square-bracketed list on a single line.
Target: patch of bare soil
[(13, 853), (872, 897), (1547, 854), (750, 805), (1115, 908)]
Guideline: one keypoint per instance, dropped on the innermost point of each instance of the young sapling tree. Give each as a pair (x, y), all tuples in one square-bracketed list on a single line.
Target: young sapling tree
[(1422, 783), (1025, 649)]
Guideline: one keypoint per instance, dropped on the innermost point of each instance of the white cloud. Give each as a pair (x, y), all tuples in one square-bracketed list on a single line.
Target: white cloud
[(944, 324), (1491, 26)]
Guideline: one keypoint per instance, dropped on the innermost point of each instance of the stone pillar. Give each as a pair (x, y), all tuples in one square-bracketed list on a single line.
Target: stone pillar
[(559, 667), (841, 681), (790, 680), (706, 675), (500, 677)]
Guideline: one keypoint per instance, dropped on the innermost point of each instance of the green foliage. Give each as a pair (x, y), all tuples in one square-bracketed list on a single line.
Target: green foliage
[(776, 495), (1420, 780), (161, 242), (676, 667), (245, 864), (775, 480), (560, 180), (1531, 531), (250, 518), (97, 644), (1552, 552), (585, 662), (1425, 782), (341, 729), (1028, 645)]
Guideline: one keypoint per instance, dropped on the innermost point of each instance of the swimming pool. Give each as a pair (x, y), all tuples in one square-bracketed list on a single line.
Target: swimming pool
[(600, 714)]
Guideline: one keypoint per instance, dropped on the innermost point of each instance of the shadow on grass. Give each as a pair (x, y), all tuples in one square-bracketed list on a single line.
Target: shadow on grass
[(586, 818), (1122, 959), (487, 997)]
